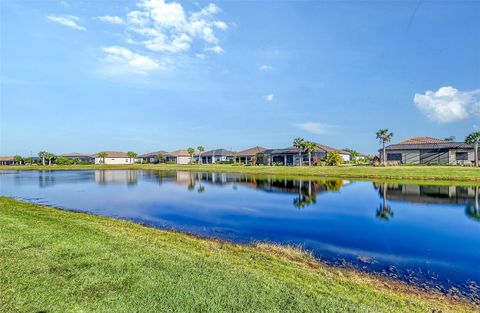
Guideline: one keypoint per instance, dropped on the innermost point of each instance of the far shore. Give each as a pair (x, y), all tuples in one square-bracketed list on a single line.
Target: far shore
[(417, 172)]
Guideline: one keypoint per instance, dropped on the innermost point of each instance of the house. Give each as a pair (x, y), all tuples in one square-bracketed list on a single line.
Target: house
[(217, 155), (246, 156), (427, 150), (80, 157), (179, 157), (291, 156), (114, 157), (152, 157), (7, 160)]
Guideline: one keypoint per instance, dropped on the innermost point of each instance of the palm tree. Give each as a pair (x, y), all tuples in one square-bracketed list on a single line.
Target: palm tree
[(50, 157), (131, 155), (450, 138), (384, 136), (200, 149), (474, 138), (102, 155), (42, 155), (18, 159), (310, 147), (191, 151), (299, 143)]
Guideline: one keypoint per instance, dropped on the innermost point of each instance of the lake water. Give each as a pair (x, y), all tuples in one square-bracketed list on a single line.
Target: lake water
[(426, 235)]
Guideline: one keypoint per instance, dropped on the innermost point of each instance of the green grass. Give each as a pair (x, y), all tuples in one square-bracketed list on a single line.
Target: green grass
[(444, 173), (59, 261)]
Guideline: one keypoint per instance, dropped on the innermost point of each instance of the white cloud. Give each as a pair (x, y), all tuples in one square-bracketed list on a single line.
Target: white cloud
[(448, 104), (265, 67), (314, 128), (215, 49), (111, 19), (163, 26), (269, 97), (125, 61), (66, 20)]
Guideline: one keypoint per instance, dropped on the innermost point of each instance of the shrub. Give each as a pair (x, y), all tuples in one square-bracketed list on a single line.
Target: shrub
[(333, 159)]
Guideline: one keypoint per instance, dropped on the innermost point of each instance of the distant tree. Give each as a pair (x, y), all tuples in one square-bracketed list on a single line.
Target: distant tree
[(160, 158), (131, 155), (50, 157), (64, 161), (191, 152), (18, 159), (333, 158), (450, 138), (474, 139), (42, 155), (384, 136), (200, 149), (28, 160), (102, 155), (310, 147), (299, 143)]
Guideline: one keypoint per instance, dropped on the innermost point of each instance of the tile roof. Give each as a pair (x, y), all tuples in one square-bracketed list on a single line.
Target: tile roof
[(294, 150), (217, 152), (113, 154), (153, 154), (76, 154), (6, 158), (421, 140), (178, 153), (251, 151)]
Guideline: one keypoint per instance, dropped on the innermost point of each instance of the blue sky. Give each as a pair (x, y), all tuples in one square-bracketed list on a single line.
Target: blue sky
[(154, 75)]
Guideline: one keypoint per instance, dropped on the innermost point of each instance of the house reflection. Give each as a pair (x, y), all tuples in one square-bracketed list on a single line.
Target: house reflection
[(130, 177), (457, 195), (306, 190)]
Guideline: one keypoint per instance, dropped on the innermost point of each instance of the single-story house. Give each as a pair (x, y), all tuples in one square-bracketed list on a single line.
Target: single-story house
[(152, 157), (114, 157), (217, 155), (246, 156), (179, 157), (291, 156), (7, 160), (79, 157), (427, 150)]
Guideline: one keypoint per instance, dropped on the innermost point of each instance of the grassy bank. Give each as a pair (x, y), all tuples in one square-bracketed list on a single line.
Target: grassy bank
[(443, 173), (59, 261)]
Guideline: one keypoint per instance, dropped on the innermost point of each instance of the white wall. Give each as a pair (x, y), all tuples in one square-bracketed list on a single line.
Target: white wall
[(115, 161), (184, 160)]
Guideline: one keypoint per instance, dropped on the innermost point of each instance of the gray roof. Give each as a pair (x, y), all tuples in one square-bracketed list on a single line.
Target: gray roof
[(293, 150), (430, 146), (152, 154), (217, 153)]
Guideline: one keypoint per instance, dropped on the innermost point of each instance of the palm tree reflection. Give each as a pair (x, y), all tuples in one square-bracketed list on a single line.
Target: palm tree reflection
[(472, 211), (384, 211)]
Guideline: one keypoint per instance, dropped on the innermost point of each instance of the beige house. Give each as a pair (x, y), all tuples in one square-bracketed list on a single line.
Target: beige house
[(248, 155), (114, 157), (179, 157)]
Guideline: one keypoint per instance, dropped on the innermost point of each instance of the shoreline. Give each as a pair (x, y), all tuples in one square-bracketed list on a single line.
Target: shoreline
[(292, 255), (442, 174)]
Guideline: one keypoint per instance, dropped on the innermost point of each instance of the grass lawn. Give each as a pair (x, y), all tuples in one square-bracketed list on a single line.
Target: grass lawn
[(444, 173), (59, 261)]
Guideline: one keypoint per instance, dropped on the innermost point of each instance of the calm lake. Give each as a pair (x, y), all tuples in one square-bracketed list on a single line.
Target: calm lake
[(426, 235)]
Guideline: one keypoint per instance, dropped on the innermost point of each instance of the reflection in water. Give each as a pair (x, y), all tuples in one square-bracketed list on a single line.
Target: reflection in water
[(306, 190), (116, 177), (472, 211), (428, 194), (433, 242)]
